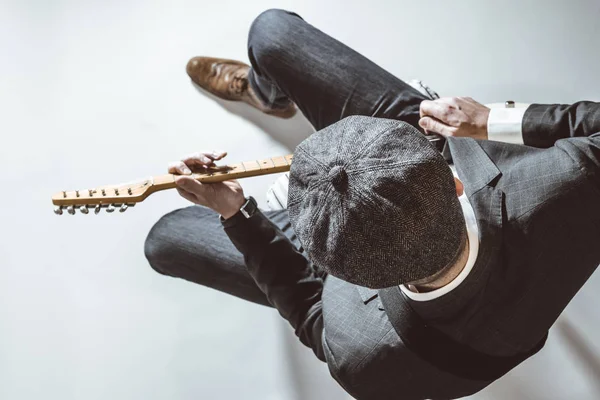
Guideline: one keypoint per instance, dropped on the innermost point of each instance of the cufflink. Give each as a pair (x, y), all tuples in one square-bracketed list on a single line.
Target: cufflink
[(509, 104)]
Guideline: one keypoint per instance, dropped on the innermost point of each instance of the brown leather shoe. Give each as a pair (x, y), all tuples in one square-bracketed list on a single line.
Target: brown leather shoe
[(228, 79)]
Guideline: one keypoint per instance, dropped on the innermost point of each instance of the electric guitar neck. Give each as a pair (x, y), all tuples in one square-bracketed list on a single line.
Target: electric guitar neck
[(124, 196)]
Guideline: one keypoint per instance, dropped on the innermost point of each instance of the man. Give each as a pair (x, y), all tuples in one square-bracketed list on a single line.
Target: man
[(515, 248)]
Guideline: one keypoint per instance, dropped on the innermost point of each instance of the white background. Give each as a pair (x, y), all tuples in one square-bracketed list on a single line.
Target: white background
[(95, 92)]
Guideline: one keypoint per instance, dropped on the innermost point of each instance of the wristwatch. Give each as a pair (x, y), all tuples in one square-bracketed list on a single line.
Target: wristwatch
[(249, 207)]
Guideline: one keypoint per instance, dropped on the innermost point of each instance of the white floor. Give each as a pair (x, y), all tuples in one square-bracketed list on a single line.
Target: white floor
[(95, 92)]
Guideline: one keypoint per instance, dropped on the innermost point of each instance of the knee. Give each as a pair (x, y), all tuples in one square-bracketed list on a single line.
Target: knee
[(269, 33), (159, 247), (269, 22)]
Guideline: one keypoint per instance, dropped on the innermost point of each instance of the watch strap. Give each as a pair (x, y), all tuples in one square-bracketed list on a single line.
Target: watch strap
[(249, 207)]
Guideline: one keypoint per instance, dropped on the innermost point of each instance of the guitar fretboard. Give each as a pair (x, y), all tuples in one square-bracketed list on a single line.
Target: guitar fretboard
[(227, 172)]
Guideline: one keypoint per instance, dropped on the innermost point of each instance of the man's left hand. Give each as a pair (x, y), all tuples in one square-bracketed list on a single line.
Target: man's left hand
[(225, 198), (455, 116)]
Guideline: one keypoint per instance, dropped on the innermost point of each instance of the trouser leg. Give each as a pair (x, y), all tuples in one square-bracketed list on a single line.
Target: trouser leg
[(191, 244), (326, 79)]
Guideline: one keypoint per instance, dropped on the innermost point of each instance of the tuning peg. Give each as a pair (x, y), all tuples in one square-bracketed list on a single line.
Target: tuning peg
[(110, 208), (84, 209), (97, 209), (58, 210), (71, 209), (123, 208)]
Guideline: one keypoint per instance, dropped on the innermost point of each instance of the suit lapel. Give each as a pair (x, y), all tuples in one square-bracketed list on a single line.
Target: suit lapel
[(474, 167)]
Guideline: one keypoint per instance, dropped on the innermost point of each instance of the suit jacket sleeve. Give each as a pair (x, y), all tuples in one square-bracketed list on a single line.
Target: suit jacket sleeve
[(282, 273), (543, 124)]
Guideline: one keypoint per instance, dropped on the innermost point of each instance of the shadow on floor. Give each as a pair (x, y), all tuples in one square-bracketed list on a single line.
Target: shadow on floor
[(288, 132), (579, 346)]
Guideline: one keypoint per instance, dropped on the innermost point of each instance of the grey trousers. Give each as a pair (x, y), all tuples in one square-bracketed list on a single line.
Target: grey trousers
[(191, 244), (328, 81)]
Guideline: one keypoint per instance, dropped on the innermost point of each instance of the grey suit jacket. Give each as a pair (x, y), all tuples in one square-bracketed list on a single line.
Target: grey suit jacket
[(538, 214)]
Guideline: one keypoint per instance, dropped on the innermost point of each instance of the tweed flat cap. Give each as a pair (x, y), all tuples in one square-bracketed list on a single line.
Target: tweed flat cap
[(374, 203)]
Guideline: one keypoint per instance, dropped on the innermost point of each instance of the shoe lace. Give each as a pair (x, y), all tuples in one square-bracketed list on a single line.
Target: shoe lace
[(239, 83)]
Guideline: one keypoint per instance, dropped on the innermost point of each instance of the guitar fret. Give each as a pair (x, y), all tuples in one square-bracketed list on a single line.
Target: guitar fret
[(280, 162), (251, 166), (267, 163)]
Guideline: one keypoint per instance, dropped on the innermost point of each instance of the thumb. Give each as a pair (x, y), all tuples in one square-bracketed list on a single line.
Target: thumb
[(187, 183)]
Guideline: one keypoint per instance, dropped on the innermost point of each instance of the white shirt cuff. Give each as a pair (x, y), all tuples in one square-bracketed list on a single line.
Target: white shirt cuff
[(504, 124)]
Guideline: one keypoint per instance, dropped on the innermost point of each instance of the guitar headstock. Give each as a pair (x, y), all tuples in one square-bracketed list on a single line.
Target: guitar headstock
[(108, 198)]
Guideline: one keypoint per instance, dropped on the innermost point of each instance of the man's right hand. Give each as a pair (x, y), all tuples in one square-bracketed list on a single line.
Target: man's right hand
[(226, 198), (455, 116)]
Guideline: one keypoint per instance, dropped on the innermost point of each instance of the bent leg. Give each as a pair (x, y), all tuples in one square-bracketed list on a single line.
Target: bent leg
[(190, 243), (325, 78)]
